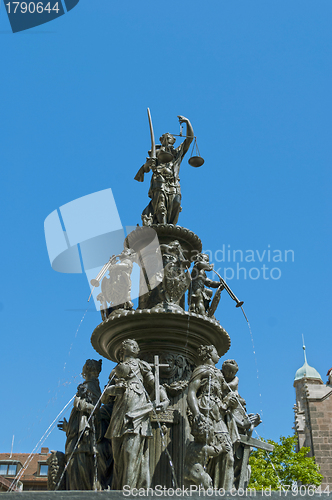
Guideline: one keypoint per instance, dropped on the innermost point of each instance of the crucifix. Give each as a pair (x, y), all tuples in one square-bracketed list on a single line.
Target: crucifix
[(143, 410), (156, 366)]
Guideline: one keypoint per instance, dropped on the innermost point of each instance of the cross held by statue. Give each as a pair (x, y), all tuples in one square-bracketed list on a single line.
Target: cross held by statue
[(156, 366)]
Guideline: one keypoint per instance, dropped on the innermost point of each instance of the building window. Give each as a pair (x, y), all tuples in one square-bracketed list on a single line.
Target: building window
[(43, 469), (8, 469)]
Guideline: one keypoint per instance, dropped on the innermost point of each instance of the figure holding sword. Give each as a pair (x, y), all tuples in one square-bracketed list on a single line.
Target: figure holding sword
[(164, 160)]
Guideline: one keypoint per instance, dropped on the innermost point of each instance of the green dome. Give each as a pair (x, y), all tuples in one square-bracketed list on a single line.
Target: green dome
[(306, 371)]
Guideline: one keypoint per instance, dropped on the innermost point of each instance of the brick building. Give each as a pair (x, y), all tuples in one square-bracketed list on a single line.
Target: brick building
[(313, 417), (30, 470)]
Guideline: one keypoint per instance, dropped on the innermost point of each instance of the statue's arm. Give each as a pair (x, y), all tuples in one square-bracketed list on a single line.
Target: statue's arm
[(192, 400), (189, 134), (211, 283), (148, 165)]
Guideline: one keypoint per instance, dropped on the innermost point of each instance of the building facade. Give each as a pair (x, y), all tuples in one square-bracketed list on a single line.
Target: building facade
[(313, 417), (27, 471)]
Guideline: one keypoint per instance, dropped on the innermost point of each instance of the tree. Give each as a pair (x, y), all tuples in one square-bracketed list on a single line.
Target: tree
[(283, 466)]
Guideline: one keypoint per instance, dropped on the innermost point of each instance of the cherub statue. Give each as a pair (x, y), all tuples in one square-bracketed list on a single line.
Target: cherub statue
[(199, 297), (116, 289), (199, 452)]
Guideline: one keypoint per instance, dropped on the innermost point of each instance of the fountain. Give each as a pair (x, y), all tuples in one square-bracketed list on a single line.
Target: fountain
[(168, 417)]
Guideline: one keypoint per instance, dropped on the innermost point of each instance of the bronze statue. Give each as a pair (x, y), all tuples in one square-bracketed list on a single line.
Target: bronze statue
[(199, 296), (116, 289), (165, 162), (81, 431), (239, 423), (199, 452), (206, 401), (130, 425)]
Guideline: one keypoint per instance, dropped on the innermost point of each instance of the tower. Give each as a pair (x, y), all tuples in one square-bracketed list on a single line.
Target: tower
[(313, 414)]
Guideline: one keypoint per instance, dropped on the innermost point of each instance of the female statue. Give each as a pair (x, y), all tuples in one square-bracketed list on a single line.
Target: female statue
[(82, 431), (130, 426), (165, 192), (207, 402)]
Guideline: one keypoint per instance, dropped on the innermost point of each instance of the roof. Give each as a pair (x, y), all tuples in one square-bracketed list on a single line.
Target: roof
[(30, 462), (306, 371)]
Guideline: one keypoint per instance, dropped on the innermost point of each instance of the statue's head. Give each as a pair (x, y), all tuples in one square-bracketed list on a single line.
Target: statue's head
[(230, 368), (91, 368), (202, 262), (128, 347), (167, 139), (206, 352), (127, 253)]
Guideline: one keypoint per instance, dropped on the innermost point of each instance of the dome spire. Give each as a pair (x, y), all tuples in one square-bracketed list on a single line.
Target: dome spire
[(306, 371), (303, 347)]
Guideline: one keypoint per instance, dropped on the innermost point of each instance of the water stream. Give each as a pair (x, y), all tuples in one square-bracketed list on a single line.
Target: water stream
[(254, 351), (80, 436), (48, 431), (79, 326)]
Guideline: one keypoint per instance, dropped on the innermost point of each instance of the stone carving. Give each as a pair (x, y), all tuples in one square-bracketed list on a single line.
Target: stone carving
[(239, 423), (116, 289), (329, 374), (130, 426), (81, 431), (56, 477), (200, 450), (199, 296), (104, 446), (175, 280), (165, 192), (206, 400)]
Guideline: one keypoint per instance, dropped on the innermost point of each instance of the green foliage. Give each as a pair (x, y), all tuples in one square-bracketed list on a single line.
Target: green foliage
[(284, 462)]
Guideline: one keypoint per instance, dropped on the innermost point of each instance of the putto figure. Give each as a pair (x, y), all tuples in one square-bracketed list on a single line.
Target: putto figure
[(165, 162), (199, 452), (200, 296), (116, 289), (130, 426)]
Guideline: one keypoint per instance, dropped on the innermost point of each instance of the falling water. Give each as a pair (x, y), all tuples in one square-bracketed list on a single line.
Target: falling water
[(79, 326), (207, 428), (94, 446), (189, 295), (40, 442), (162, 435), (254, 351), (80, 436)]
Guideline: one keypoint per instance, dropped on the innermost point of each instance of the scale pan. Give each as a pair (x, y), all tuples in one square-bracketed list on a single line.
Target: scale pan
[(164, 156), (196, 161)]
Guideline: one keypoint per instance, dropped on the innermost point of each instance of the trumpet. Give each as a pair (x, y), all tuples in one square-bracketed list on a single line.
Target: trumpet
[(239, 303)]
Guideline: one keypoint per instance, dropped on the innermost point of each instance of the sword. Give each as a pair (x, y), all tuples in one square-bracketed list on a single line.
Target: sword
[(153, 144)]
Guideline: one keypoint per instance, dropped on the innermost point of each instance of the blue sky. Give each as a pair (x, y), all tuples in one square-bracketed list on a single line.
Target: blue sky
[(254, 77)]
